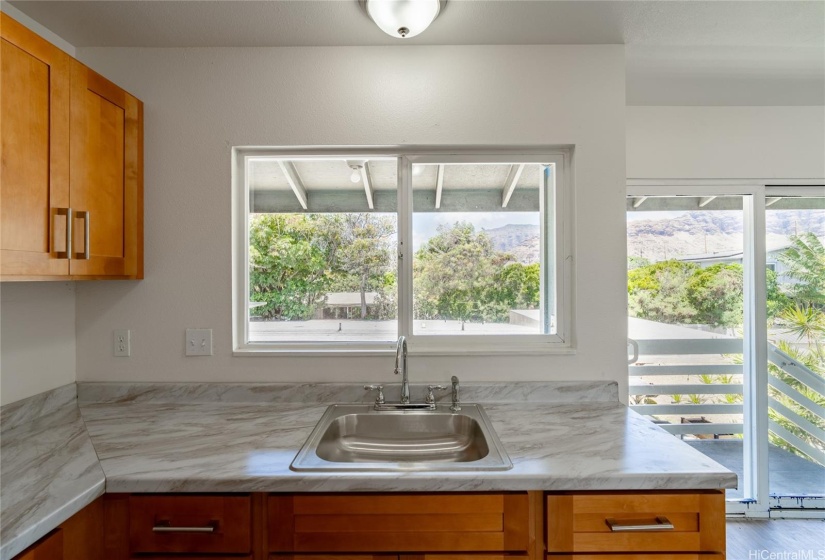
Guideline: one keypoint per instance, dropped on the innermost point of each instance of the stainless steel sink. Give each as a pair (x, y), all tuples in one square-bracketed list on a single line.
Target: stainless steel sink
[(359, 438)]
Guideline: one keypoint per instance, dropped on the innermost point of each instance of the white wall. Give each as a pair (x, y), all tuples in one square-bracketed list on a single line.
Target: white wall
[(201, 102), (37, 338), (47, 34), (726, 142)]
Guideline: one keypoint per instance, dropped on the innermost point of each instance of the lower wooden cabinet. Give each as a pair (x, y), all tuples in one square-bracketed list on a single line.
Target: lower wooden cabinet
[(79, 538), (397, 526), (423, 556), (49, 547), (648, 556), (625, 522), (422, 522)]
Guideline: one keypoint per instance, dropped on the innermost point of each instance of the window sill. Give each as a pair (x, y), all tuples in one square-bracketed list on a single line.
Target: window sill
[(527, 350)]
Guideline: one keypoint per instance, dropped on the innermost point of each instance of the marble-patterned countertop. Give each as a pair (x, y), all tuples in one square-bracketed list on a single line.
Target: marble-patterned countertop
[(242, 438), (169, 447), (203, 438), (48, 468)]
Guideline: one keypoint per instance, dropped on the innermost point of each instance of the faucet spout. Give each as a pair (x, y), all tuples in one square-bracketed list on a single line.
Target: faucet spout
[(401, 367)]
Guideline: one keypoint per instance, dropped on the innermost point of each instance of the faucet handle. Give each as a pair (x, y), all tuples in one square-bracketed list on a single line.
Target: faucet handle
[(380, 388), (430, 396)]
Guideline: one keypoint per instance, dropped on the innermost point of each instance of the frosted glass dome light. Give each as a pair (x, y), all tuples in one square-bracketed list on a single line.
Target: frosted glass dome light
[(402, 18)]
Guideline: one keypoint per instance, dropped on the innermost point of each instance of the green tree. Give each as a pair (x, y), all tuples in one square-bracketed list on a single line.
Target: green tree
[(286, 270), (453, 270), (777, 300), (459, 275), (359, 250), (716, 293), (516, 286), (805, 259), (659, 292), (636, 262)]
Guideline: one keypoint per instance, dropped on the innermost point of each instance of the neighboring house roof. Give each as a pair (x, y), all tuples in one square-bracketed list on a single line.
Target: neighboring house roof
[(349, 299), (725, 255)]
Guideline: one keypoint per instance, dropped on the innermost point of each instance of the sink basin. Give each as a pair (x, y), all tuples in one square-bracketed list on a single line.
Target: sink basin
[(359, 438)]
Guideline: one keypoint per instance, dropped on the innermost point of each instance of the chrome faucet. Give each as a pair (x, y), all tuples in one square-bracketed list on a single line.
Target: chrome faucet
[(401, 360), (456, 400)]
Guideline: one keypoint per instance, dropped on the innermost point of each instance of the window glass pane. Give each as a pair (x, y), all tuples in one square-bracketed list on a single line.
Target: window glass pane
[(480, 243), (795, 258), (322, 237)]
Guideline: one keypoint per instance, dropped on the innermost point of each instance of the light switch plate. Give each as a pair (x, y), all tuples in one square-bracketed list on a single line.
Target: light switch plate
[(198, 342), (122, 343)]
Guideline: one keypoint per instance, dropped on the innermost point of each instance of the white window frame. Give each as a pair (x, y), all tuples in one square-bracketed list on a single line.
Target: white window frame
[(561, 342)]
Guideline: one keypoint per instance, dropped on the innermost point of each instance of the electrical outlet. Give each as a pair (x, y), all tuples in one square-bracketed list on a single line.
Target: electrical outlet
[(198, 342), (122, 343)]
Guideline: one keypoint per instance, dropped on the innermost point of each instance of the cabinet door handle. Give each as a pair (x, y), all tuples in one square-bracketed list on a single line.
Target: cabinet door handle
[(84, 215), (170, 529), (67, 254), (661, 523)]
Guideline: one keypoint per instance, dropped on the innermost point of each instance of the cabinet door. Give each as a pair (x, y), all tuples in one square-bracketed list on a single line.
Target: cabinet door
[(34, 149), (438, 522), (49, 547), (83, 533), (106, 177)]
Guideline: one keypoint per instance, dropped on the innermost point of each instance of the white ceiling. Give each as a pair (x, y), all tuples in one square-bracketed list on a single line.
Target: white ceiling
[(683, 52)]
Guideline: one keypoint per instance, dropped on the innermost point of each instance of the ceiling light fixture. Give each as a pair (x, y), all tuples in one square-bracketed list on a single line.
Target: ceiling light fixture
[(403, 19), (356, 173)]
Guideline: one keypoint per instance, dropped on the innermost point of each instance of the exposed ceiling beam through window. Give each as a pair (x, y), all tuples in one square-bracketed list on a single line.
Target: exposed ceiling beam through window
[(510, 184), (367, 179), (770, 201), (639, 201), (705, 200), (439, 186), (465, 200), (294, 182)]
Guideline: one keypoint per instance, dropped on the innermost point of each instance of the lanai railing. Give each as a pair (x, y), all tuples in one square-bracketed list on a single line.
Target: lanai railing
[(698, 390)]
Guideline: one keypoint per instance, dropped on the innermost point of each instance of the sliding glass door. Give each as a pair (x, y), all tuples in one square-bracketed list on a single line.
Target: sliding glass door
[(725, 308)]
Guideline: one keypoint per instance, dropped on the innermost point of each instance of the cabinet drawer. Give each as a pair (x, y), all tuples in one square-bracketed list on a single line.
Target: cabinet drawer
[(192, 524), (439, 522), (581, 522)]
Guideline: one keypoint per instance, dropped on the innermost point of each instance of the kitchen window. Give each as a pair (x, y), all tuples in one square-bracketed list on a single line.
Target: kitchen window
[(345, 250)]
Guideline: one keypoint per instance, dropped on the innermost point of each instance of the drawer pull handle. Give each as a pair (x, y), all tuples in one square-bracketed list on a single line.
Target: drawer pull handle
[(619, 525), (170, 529)]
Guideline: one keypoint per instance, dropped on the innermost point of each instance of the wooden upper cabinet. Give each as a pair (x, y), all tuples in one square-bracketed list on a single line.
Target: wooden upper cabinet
[(71, 145), (34, 149), (106, 177)]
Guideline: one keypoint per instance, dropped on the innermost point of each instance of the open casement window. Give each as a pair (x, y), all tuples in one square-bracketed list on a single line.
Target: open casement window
[(338, 251)]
